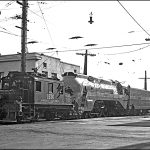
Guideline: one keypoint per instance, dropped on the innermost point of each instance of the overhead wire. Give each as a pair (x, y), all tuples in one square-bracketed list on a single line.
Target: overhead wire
[(51, 6), (45, 23), (44, 61), (129, 51), (10, 33), (38, 15), (105, 47), (133, 18), (7, 4)]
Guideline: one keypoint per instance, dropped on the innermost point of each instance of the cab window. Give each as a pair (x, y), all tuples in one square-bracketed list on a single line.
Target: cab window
[(50, 87), (38, 86)]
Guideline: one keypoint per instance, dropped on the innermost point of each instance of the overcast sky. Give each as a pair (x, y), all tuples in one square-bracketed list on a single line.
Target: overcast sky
[(61, 20)]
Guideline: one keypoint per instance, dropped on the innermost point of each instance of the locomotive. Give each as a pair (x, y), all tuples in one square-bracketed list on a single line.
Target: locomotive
[(30, 96), (98, 97)]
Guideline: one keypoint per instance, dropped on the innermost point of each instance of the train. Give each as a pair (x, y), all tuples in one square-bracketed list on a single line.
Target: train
[(102, 98), (32, 96)]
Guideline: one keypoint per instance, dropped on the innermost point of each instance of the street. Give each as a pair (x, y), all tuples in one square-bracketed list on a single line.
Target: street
[(132, 132)]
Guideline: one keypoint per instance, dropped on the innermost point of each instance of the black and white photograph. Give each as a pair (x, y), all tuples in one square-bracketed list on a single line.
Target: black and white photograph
[(74, 74)]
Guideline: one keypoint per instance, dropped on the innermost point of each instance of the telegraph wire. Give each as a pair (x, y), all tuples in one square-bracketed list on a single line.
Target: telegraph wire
[(10, 33), (105, 47), (8, 4), (44, 61), (52, 6), (133, 18), (45, 22), (129, 51), (38, 15)]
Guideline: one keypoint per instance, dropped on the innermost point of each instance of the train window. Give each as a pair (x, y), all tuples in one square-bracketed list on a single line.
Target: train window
[(38, 86), (50, 87)]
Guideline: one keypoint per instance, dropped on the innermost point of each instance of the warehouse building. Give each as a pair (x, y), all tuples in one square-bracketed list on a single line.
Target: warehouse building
[(43, 64)]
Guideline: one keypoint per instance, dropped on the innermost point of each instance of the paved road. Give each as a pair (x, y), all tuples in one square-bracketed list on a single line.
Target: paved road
[(98, 133)]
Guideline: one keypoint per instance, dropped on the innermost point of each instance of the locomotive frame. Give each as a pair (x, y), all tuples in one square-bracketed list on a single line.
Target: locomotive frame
[(31, 96), (99, 97), (28, 97)]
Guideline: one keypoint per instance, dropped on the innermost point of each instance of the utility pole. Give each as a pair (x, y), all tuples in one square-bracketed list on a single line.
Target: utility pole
[(145, 80), (85, 60), (23, 34)]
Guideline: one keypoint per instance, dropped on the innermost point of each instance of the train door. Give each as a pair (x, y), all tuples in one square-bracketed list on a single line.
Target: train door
[(25, 87)]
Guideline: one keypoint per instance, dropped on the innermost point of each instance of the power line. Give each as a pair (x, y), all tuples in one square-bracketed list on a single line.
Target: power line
[(129, 51), (10, 33), (44, 61), (105, 47), (8, 4), (38, 15), (45, 23), (52, 6), (133, 18)]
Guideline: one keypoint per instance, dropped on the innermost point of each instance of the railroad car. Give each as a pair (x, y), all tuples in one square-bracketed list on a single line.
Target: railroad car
[(28, 97), (95, 97)]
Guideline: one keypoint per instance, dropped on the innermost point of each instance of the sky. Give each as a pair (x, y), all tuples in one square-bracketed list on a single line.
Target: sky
[(53, 23)]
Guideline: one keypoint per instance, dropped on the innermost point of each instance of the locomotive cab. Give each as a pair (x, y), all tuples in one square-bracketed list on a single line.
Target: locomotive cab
[(30, 97)]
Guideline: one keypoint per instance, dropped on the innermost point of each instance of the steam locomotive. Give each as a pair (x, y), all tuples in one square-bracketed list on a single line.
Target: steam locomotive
[(31, 96), (97, 97)]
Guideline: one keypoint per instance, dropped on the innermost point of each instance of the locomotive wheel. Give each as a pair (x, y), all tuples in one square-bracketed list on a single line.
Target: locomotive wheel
[(65, 115), (102, 114), (49, 115), (19, 119), (85, 115)]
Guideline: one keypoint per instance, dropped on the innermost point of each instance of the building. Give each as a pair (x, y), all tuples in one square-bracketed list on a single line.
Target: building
[(50, 66)]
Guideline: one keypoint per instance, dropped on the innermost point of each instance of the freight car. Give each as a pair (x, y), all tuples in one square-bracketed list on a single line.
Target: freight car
[(95, 97), (30, 96)]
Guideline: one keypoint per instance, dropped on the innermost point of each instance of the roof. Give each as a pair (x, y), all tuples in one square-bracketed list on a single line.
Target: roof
[(29, 56)]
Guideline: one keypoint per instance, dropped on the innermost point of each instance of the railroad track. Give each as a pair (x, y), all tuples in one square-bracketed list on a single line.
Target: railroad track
[(5, 122)]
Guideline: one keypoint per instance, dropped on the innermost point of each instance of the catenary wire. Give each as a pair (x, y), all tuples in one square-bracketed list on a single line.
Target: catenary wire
[(133, 18), (45, 22), (39, 15)]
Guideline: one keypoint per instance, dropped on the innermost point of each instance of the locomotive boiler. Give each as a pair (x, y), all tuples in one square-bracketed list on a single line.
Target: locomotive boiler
[(95, 97)]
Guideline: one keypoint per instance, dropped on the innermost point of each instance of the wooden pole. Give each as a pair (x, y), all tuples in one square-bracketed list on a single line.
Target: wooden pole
[(24, 36)]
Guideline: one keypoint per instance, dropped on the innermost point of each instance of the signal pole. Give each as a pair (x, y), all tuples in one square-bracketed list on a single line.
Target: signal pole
[(85, 60), (23, 34), (145, 81)]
